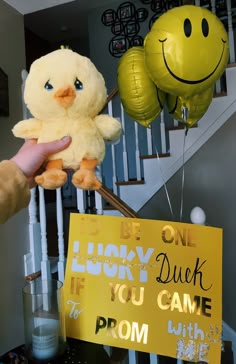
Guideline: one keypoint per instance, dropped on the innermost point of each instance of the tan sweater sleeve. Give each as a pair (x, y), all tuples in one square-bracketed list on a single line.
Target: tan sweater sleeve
[(14, 190)]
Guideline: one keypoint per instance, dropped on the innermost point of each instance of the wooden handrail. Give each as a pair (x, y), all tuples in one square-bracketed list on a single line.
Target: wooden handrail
[(116, 202), (31, 277), (113, 93)]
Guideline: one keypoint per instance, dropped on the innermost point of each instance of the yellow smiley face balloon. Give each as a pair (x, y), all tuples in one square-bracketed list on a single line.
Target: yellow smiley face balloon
[(186, 50), (139, 95), (196, 105)]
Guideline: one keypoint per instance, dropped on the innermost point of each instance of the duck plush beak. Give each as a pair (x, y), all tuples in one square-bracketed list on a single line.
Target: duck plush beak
[(65, 96)]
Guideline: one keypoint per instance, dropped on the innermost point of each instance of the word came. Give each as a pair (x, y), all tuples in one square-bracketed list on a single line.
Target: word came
[(198, 305), (123, 330)]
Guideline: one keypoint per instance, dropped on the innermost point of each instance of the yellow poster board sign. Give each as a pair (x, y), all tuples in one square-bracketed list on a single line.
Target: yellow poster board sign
[(152, 286)]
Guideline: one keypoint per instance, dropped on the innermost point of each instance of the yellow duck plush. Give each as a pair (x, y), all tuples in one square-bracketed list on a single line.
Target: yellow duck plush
[(65, 93)]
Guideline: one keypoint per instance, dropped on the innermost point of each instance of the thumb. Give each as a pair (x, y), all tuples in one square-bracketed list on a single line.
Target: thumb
[(57, 145)]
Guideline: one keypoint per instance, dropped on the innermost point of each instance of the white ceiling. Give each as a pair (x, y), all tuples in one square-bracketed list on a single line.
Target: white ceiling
[(31, 6), (26, 6)]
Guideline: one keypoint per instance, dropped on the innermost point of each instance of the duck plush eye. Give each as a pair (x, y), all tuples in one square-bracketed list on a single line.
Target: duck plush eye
[(48, 86), (78, 84)]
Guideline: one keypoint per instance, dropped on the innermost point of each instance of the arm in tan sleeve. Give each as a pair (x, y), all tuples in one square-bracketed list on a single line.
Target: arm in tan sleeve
[(14, 190)]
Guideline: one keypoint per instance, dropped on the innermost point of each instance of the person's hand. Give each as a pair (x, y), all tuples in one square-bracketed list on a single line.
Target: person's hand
[(31, 156)]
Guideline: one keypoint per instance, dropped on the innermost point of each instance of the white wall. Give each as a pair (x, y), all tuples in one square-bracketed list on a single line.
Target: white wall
[(13, 235)]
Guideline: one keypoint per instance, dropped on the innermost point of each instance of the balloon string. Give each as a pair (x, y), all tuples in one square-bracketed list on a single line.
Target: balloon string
[(183, 178), (163, 181)]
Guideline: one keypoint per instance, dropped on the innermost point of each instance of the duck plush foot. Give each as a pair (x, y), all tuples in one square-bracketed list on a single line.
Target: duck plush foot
[(85, 178), (51, 179)]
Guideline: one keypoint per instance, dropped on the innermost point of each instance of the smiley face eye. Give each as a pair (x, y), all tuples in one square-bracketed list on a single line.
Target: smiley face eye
[(205, 27), (187, 27)]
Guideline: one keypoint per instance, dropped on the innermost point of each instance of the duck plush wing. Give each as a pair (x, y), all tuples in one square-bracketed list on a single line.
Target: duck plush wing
[(109, 127), (28, 129)]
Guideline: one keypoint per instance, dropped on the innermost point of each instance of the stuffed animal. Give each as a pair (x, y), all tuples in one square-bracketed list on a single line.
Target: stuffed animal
[(65, 93)]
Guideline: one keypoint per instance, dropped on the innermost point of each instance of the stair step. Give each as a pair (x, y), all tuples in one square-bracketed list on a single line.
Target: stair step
[(130, 182), (221, 94), (180, 127), (152, 156)]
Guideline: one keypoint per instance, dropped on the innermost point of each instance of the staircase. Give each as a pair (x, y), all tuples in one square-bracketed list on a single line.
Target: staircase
[(158, 169)]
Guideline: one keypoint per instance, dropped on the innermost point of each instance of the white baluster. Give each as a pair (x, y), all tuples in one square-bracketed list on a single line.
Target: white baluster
[(114, 178), (213, 6), (197, 2), (24, 75), (81, 200), (163, 133), (137, 153), (149, 140), (60, 233), (32, 260), (125, 156), (218, 82), (230, 33), (33, 207), (218, 86), (45, 265), (110, 111), (176, 123), (132, 357), (153, 359), (99, 203), (98, 197)]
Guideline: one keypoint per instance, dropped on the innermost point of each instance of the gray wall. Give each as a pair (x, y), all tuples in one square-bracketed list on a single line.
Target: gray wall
[(100, 36), (14, 234), (210, 182)]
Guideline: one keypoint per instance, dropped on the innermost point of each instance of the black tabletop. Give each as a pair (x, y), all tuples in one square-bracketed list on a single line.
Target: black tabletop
[(77, 352)]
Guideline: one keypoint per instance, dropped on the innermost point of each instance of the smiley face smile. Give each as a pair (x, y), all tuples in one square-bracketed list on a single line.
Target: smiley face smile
[(186, 50), (190, 82)]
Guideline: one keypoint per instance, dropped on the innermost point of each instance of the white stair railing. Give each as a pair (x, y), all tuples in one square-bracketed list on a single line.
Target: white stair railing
[(137, 153), (114, 177), (60, 233), (163, 133), (125, 154), (45, 264), (230, 33)]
